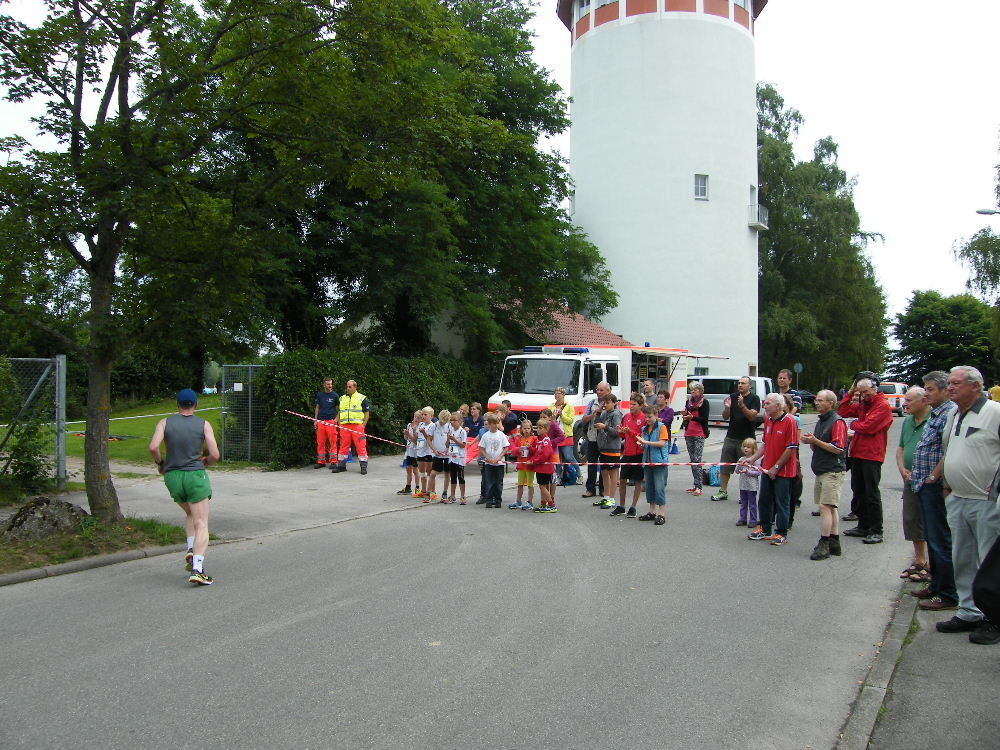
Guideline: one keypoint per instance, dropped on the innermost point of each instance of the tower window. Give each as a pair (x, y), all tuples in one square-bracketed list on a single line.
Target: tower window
[(701, 187)]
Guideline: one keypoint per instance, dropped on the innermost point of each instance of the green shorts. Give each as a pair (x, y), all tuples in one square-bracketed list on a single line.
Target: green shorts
[(188, 486)]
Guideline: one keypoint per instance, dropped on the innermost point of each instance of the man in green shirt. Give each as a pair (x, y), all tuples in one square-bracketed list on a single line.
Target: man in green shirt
[(918, 408)]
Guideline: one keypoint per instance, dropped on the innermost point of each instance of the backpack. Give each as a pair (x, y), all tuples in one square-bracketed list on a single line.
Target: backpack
[(571, 473)]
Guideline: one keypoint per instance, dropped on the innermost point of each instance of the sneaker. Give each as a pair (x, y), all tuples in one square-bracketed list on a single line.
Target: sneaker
[(692, 490), (515, 506), (200, 577), (937, 604), (618, 511), (856, 531), (189, 560), (539, 509), (741, 523), (757, 535), (958, 625), (419, 493), (849, 517), (432, 497), (872, 539), (481, 501), (552, 509), (404, 491), (988, 634), (771, 537), (779, 540), (607, 503), (720, 496), (696, 493), (630, 513), (528, 506)]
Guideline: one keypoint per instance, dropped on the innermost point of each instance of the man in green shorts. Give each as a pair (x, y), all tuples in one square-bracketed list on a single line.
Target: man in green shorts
[(187, 437)]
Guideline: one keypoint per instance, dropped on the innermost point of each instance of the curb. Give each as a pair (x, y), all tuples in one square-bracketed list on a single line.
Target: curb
[(857, 731), (99, 561)]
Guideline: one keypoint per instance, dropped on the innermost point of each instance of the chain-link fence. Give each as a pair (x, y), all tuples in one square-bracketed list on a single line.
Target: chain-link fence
[(243, 416), (39, 414)]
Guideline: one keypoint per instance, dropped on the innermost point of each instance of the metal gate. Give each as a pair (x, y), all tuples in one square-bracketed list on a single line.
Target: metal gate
[(243, 416), (41, 392)]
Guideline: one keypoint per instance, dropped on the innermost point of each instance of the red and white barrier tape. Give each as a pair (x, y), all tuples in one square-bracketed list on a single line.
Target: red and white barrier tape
[(339, 427)]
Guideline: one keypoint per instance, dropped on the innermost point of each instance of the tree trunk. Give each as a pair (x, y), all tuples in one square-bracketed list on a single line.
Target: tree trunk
[(101, 493)]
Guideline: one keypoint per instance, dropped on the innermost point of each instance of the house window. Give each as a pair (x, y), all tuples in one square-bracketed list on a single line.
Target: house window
[(583, 9), (701, 187), (743, 4)]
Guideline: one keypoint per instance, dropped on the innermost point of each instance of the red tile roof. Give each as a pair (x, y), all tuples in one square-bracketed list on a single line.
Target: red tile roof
[(576, 330)]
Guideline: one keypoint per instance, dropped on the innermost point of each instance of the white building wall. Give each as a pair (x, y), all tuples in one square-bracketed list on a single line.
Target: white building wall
[(658, 98)]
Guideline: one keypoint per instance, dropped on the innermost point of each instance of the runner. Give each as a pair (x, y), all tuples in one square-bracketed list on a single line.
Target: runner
[(184, 473)]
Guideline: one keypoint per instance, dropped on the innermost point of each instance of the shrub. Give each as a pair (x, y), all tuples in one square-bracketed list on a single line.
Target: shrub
[(396, 387)]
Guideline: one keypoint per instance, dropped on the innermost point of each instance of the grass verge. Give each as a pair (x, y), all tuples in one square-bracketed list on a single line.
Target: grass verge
[(91, 538)]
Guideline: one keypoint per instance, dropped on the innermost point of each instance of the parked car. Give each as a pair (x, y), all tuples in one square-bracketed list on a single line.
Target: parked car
[(894, 395), (808, 397)]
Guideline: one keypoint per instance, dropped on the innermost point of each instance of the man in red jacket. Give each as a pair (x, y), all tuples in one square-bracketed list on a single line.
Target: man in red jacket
[(867, 452)]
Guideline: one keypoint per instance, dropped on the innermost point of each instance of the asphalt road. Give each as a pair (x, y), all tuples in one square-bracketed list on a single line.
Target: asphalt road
[(458, 627)]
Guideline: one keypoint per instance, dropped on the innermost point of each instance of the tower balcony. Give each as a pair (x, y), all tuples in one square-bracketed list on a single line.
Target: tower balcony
[(758, 217)]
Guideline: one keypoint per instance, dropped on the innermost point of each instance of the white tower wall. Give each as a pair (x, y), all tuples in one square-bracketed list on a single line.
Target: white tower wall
[(658, 98)]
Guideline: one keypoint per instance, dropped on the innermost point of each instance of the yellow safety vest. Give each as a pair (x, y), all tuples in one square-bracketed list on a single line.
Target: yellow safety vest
[(350, 409)]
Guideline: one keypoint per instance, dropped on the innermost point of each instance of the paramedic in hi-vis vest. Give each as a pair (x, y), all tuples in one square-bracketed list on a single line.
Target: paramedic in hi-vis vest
[(354, 412)]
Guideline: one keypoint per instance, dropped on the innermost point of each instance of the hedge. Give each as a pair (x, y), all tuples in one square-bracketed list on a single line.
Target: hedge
[(395, 386)]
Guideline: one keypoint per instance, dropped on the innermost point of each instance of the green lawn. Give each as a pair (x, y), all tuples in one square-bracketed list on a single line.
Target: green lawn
[(135, 449)]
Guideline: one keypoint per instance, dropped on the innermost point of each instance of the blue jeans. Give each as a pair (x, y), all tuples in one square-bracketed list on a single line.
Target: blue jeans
[(938, 535), (773, 499), (655, 478), (493, 481)]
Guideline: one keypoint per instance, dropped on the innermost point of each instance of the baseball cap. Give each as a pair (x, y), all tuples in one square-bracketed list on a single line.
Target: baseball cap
[(187, 397)]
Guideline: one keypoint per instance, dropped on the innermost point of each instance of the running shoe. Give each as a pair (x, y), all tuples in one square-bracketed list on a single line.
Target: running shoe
[(404, 491), (778, 540), (528, 506), (720, 496), (419, 493), (618, 511), (696, 493), (433, 497), (539, 509), (516, 506), (757, 535), (607, 503), (631, 513), (201, 578), (189, 560), (552, 509), (427, 498), (598, 502), (692, 490)]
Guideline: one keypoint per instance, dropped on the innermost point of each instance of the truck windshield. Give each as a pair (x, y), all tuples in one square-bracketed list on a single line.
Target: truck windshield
[(525, 375)]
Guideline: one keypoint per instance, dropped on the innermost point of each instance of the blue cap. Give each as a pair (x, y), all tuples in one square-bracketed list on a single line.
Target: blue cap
[(187, 397)]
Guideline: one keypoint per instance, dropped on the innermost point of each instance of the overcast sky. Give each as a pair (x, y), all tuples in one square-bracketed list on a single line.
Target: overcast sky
[(909, 92)]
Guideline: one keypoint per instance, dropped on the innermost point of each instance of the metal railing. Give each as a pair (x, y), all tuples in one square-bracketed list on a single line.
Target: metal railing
[(758, 216)]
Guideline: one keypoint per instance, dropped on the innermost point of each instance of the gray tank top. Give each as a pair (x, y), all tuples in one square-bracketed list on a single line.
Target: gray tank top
[(184, 435)]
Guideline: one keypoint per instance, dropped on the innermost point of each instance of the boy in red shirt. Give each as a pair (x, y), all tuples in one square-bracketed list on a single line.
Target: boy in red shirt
[(630, 429), (540, 461), (780, 451)]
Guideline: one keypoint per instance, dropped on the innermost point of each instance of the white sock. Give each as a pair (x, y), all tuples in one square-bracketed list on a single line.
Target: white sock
[(190, 542), (199, 562)]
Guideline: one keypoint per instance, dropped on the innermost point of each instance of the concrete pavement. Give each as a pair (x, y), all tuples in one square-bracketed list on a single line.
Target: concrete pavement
[(462, 627)]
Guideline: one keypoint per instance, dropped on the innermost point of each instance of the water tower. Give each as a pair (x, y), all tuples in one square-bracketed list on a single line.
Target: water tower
[(663, 155)]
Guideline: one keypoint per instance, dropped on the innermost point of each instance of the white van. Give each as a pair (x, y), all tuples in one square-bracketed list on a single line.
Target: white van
[(718, 387)]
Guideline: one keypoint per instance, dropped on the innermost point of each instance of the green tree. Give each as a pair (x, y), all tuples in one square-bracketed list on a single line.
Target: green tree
[(937, 332), (820, 303), (153, 204)]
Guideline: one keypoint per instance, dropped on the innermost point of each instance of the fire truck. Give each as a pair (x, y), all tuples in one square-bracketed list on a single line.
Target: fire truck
[(530, 376)]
